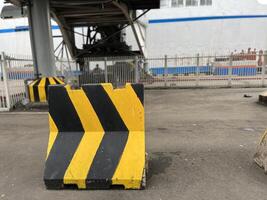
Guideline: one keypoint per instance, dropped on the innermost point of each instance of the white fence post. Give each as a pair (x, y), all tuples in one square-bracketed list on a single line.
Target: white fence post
[(165, 70), (106, 70), (263, 68), (230, 69), (136, 69), (198, 71), (5, 79), (61, 68), (176, 60)]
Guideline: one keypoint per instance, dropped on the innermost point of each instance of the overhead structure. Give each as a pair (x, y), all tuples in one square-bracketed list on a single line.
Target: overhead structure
[(103, 20)]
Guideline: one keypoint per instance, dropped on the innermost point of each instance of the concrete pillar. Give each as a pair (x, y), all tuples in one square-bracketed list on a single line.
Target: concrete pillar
[(41, 38)]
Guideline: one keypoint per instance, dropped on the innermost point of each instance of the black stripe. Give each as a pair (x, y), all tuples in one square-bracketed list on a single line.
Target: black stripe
[(60, 157), (139, 91), (106, 159), (70, 134), (47, 83), (35, 91), (57, 82), (104, 108), (62, 110), (113, 143)]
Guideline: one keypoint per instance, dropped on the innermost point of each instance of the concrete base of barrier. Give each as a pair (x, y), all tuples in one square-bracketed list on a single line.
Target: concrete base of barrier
[(37, 89), (96, 184), (97, 137)]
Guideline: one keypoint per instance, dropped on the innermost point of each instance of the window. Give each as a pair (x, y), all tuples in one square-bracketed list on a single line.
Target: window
[(164, 3), (205, 2), (191, 3), (182, 3), (177, 3)]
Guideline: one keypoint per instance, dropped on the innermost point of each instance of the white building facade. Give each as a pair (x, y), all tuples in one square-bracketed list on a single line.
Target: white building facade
[(180, 27), (188, 27)]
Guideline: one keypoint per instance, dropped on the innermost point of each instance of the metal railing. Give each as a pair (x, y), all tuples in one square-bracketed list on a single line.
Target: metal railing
[(247, 70), (235, 70), (115, 70), (13, 70)]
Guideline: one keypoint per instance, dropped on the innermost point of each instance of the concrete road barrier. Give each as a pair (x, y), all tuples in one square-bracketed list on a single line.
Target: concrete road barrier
[(97, 137)]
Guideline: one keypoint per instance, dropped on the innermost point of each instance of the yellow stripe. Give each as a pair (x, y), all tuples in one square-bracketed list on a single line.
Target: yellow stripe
[(52, 135), (128, 105), (129, 171), (80, 164), (263, 136), (68, 87), (33, 82), (130, 168), (85, 111), (41, 90), (31, 93), (264, 94), (59, 80), (52, 81)]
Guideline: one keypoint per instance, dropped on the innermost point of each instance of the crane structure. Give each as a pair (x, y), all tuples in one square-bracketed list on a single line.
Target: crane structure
[(104, 21)]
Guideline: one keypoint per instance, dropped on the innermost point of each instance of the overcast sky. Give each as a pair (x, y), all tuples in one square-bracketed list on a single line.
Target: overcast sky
[(1, 3)]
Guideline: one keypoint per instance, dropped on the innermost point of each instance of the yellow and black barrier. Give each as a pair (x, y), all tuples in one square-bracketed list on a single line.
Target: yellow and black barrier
[(97, 138), (37, 89), (263, 98)]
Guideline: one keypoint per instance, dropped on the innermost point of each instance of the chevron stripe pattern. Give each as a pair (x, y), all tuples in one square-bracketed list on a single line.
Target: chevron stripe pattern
[(97, 137), (39, 87)]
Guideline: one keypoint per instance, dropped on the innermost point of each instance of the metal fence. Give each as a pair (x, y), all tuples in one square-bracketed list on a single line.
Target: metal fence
[(15, 69), (240, 70), (115, 70), (67, 68), (235, 70)]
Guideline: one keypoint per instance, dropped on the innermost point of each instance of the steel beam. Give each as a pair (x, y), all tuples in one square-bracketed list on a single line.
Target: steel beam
[(125, 11), (67, 33), (41, 37)]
